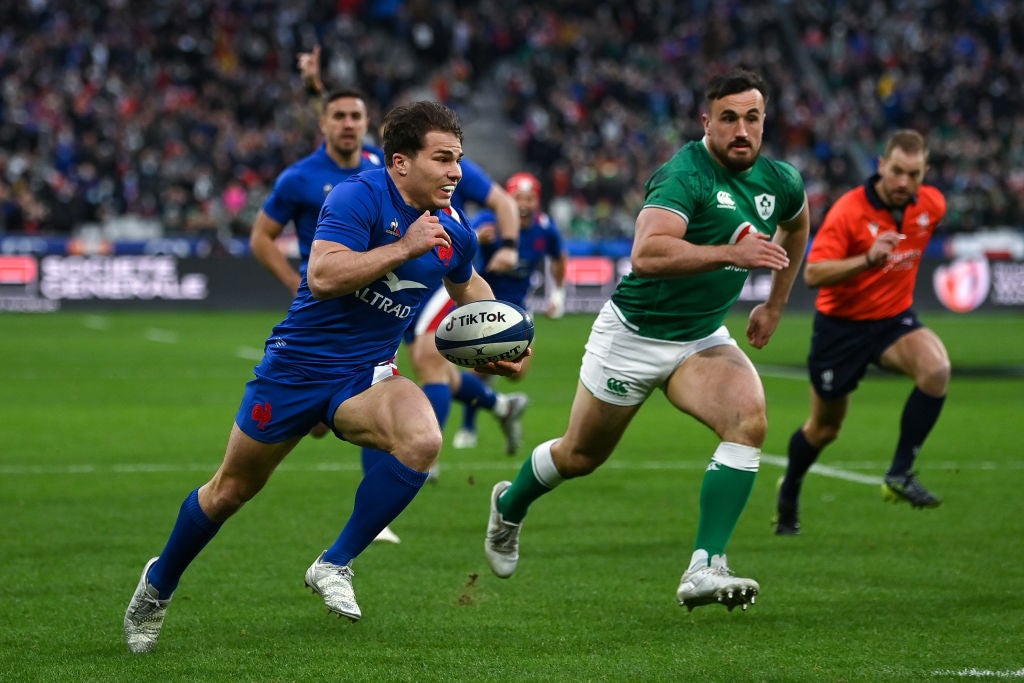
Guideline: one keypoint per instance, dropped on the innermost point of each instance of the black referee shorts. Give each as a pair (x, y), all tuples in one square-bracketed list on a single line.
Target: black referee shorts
[(842, 349)]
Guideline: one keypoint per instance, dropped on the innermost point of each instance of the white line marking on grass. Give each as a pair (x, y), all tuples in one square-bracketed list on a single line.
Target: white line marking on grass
[(825, 470), (248, 353), (348, 463), (782, 372), (96, 322), (979, 673), (161, 336)]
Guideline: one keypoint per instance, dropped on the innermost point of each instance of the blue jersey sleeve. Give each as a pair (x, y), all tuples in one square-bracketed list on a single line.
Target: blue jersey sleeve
[(485, 217), (285, 199), (348, 215)]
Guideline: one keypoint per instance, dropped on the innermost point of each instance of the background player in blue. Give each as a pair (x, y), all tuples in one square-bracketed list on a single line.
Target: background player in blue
[(540, 242), (300, 190), (384, 239)]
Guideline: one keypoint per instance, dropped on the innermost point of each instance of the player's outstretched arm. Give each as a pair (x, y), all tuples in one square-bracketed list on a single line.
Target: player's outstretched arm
[(764, 319), (262, 242), (506, 220)]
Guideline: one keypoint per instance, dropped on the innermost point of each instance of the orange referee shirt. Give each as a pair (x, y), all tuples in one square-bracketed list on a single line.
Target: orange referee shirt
[(850, 228)]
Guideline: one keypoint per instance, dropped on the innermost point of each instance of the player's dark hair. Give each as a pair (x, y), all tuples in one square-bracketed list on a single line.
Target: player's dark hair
[(338, 93), (908, 140), (733, 82), (406, 126)]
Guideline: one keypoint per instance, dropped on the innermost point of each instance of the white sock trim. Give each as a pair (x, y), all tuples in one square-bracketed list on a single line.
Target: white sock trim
[(737, 456), (544, 465)]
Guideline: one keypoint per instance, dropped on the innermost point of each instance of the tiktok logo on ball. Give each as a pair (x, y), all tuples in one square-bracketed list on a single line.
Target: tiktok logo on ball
[(474, 319)]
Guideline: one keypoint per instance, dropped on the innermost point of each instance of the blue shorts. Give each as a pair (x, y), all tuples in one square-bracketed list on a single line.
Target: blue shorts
[(841, 350), (280, 404)]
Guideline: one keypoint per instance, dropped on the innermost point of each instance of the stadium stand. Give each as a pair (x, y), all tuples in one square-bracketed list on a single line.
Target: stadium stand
[(172, 117)]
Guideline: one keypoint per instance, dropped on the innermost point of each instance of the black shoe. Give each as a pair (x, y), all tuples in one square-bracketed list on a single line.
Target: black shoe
[(787, 522), (906, 487)]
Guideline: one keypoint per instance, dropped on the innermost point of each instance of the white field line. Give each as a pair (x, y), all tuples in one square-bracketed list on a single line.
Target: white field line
[(826, 471), (161, 336), (978, 673), (348, 462), (248, 353), (96, 322)]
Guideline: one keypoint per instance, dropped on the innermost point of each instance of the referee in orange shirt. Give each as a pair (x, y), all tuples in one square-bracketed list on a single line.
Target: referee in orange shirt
[(864, 263)]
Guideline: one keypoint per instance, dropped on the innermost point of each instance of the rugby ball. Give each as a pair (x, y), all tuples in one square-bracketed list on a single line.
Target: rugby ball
[(483, 332)]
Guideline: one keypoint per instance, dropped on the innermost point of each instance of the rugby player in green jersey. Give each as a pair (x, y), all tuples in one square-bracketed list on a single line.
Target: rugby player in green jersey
[(715, 210)]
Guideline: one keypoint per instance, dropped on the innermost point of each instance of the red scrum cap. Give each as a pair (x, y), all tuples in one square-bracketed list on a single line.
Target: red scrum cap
[(523, 182)]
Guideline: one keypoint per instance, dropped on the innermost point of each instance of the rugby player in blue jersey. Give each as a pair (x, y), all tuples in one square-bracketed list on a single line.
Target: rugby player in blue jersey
[(300, 189), (384, 240)]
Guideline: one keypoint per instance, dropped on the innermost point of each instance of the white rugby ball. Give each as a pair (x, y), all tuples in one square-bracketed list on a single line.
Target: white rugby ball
[(483, 332)]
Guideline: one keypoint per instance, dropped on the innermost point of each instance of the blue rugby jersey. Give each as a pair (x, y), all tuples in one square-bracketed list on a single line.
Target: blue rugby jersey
[(542, 238), (300, 190), (326, 338)]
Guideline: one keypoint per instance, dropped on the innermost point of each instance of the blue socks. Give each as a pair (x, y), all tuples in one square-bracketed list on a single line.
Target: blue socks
[(387, 488), (192, 531), (474, 393), (384, 492), (440, 397)]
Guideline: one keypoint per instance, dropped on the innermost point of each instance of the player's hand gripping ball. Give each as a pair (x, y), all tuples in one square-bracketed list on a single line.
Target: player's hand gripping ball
[(483, 332)]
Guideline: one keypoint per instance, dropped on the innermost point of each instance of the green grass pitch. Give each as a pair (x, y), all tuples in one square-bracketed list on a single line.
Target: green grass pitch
[(108, 420)]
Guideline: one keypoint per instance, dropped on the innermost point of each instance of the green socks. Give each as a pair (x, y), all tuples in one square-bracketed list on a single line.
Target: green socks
[(536, 477), (723, 496)]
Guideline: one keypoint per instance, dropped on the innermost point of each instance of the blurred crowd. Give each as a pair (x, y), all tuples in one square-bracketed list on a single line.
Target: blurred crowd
[(602, 96), (179, 114)]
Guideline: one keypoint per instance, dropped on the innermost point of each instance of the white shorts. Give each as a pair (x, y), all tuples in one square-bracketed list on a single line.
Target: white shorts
[(623, 368)]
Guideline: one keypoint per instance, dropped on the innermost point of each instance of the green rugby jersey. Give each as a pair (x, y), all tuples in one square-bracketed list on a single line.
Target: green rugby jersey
[(718, 205)]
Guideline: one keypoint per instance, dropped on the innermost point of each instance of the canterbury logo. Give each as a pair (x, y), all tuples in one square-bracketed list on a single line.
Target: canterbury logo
[(394, 284), (617, 386)]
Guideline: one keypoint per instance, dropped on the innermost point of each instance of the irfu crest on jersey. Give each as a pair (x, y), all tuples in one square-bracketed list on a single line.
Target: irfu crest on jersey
[(765, 204)]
